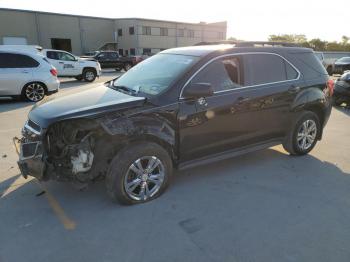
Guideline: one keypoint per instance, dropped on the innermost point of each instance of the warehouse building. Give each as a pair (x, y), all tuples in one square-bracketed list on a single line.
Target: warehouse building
[(82, 34)]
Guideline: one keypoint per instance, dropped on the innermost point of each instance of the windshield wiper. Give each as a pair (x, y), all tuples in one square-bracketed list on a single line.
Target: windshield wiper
[(124, 89)]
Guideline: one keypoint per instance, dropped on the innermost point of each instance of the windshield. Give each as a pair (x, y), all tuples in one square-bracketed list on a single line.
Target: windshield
[(155, 74), (344, 59)]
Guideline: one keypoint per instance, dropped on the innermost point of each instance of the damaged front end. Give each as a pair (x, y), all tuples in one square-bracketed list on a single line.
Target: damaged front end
[(64, 152)]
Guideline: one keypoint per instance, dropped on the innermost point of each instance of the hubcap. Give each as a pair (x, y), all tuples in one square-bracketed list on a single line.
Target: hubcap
[(307, 134), (35, 92), (127, 67), (144, 178), (90, 75)]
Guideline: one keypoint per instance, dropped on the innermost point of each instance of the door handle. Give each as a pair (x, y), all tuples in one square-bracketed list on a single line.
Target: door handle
[(25, 72), (242, 99), (61, 62), (294, 89)]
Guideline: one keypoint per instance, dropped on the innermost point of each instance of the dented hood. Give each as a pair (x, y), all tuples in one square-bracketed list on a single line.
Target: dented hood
[(89, 103)]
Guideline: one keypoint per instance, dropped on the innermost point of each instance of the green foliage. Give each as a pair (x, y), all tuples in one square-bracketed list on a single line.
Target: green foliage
[(316, 43)]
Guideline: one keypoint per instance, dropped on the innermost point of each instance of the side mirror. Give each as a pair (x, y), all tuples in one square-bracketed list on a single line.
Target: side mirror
[(197, 90)]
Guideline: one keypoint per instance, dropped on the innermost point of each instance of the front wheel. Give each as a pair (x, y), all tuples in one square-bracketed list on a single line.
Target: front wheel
[(89, 75), (139, 173), (303, 137)]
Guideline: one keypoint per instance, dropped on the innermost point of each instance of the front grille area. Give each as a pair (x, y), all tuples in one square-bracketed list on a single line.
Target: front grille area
[(29, 149), (33, 125)]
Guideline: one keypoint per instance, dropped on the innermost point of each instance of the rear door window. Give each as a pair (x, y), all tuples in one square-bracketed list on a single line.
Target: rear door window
[(267, 68), (52, 55), (9, 60), (223, 74)]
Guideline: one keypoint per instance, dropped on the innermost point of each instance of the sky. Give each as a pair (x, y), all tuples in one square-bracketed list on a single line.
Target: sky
[(247, 19)]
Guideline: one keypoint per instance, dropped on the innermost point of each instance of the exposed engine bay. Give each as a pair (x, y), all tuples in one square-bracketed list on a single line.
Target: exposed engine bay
[(71, 150)]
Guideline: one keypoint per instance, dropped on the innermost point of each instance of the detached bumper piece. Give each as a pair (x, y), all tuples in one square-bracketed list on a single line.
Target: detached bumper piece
[(30, 158)]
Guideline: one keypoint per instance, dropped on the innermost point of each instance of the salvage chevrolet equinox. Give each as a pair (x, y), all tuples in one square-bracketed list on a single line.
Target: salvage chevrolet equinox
[(178, 109)]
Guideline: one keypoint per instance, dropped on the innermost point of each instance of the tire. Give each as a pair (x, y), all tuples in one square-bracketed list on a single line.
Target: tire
[(34, 92), (330, 70), (337, 102), (118, 69), (89, 75), (123, 170), (127, 67), (294, 141), (79, 78)]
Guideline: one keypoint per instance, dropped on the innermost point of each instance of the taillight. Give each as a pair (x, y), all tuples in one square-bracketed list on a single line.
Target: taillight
[(330, 86), (53, 71)]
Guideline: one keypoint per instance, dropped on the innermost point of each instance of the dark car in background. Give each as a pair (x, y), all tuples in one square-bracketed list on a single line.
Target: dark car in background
[(112, 59), (341, 65), (182, 108), (342, 90)]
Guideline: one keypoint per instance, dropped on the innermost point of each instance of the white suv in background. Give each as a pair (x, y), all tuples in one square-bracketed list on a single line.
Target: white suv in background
[(69, 65), (26, 74)]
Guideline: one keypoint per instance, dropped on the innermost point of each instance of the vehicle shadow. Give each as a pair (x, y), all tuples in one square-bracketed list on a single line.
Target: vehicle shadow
[(11, 104), (270, 167), (265, 200)]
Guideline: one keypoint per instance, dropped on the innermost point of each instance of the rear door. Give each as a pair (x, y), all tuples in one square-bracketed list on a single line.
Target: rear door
[(273, 84), (16, 70)]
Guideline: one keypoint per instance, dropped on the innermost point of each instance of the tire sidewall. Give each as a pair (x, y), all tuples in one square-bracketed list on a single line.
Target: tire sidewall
[(300, 121), (120, 165), (86, 71)]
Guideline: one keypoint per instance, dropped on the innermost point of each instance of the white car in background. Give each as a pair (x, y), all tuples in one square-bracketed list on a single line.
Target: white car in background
[(26, 74), (69, 65)]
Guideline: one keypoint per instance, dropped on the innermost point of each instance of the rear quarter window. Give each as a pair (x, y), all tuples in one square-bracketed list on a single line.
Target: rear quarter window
[(310, 65)]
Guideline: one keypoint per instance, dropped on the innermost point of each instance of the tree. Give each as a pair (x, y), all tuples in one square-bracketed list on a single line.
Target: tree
[(290, 38), (317, 44)]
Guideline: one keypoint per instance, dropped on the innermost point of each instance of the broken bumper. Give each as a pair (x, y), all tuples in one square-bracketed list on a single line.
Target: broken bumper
[(30, 161)]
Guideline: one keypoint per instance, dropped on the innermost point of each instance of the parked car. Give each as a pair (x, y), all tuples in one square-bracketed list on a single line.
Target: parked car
[(328, 58), (112, 59), (342, 90), (27, 75), (69, 65), (341, 65), (181, 108)]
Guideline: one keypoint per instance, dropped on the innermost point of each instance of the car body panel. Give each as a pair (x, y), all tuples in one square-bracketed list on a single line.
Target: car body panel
[(193, 129)]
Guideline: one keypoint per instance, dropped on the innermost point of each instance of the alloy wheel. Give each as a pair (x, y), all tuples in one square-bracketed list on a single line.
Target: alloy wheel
[(306, 134), (144, 178), (90, 75), (35, 92)]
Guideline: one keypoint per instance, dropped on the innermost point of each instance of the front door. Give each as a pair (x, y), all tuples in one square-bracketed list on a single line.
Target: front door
[(220, 122)]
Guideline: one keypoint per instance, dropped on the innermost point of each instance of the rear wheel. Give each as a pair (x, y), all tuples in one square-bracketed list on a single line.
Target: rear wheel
[(139, 173), (89, 75), (303, 138), (127, 67), (330, 70), (34, 92), (118, 69)]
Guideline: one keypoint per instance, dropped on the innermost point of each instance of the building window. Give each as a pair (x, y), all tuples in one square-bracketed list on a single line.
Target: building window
[(181, 32), (221, 35), (146, 51), (132, 51), (120, 32), (121, 52), (131, 30), (190, 33), (146, 30), (163, 31), (127, 52)]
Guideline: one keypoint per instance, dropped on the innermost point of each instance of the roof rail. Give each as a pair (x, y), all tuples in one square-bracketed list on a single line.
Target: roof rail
[(249, 43)]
